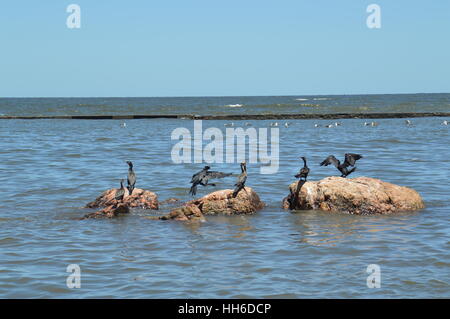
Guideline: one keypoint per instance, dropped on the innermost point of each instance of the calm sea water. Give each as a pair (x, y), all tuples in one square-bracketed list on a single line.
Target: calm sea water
[(49, 169)]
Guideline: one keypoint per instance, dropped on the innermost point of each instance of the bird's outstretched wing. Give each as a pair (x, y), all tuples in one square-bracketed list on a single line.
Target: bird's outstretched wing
[(330, 160), (214, 174), (350, 159)]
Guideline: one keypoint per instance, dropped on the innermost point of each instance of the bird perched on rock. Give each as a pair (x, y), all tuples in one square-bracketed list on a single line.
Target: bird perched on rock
[(131, 178), (350, 160), (304, 171), (120, 192), (240, 184), (203, 177)]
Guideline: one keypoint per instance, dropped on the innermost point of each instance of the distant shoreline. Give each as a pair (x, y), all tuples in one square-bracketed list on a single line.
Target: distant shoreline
[(302, 116)]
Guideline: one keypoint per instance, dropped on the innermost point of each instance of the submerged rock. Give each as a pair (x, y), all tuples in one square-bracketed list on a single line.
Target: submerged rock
[(140, 199), (184, 213), (219, 202), (109, 212), (359, 196)]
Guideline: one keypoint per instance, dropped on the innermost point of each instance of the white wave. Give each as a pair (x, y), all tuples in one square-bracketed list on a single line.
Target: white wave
[(234, 105), (301, 99), (320, 98)]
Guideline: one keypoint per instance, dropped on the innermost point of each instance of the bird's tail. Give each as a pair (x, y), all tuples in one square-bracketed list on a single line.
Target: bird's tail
[(193, 190), (237, 190)]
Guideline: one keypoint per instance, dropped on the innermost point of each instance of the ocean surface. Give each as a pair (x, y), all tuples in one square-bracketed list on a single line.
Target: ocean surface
[(49, 169)]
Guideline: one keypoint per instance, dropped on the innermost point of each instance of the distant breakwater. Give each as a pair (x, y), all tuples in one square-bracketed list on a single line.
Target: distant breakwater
[(236, 116)]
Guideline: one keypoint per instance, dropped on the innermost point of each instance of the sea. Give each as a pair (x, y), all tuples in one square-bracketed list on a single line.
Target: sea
[(51, 168)]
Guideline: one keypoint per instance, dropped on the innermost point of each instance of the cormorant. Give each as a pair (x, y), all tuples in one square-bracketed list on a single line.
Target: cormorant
[(350, 160), (131, 178), (203, 177), (240, 184), (304, 171), (120, 192)]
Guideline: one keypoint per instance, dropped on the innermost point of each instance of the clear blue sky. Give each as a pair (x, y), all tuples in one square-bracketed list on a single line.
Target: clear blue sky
[(222, 47)]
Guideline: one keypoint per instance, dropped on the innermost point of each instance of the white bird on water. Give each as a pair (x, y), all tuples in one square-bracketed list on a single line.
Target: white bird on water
[(248, 124), (316, 125), (373, 124), (123, 124), (229, 124), (274, 124), (445, 122), (329, 125), (408, 122), (286, 124)]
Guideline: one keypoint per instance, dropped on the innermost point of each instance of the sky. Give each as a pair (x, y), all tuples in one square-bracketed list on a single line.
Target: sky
[(222, 48)]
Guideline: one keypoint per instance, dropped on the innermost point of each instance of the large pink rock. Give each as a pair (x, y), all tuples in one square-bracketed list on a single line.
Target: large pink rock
[(360, 196)]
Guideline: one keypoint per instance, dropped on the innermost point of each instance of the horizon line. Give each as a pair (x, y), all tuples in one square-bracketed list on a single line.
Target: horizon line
[(213, 96)]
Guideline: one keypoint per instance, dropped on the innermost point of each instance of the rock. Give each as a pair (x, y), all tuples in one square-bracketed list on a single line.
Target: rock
[(171, 200), (140, 199), (222, 202), (185, 213), (359, 196), (219, 202), (109, 212)]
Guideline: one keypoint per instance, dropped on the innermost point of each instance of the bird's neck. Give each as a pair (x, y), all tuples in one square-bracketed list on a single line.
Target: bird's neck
[(304, 162)]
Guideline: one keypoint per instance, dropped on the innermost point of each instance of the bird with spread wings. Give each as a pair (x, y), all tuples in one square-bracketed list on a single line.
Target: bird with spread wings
[(203, 177), (350, 160)]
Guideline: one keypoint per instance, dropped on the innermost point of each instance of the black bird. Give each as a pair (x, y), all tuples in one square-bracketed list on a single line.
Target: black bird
[(350, 160), (304, 171), (131, 178), (203, 177), (120, 192), (240, 184)]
